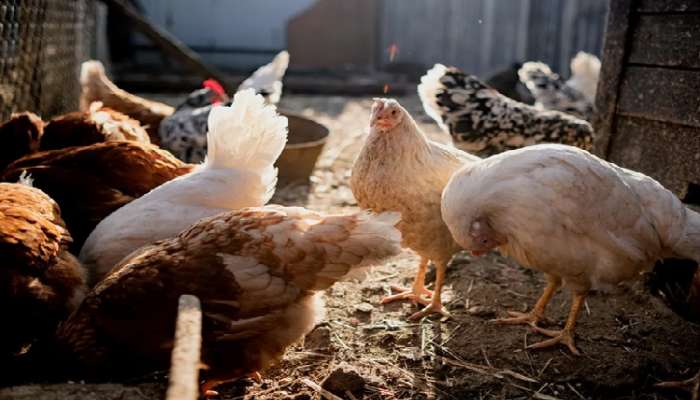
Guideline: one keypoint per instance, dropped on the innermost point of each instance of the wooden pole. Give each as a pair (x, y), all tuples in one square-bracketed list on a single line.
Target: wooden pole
[(185, 357), (169, 43)]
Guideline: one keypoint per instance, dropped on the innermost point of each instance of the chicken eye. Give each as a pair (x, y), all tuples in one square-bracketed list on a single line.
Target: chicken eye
[(393, 113)]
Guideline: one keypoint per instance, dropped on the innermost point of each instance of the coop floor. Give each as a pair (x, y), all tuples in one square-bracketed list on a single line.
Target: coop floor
[(629, 340)]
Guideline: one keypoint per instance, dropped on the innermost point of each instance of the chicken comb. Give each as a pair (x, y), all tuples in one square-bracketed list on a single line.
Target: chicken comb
[(214, 85)]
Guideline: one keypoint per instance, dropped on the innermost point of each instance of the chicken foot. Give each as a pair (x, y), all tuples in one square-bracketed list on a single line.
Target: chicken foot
[(537, 313), (417, 290), (691, 385), (566, 335), (435, 306)]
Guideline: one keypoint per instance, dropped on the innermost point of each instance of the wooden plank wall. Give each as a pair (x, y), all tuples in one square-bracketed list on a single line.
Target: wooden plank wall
[(482, 36), (650, 116)]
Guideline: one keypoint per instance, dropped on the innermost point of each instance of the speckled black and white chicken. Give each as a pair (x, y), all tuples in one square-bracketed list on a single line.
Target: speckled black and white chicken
[(184, 133), (575, 96), (480, 119)]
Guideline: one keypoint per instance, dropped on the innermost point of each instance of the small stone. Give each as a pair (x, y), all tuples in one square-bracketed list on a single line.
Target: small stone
[(318, 339), (344, 379), (364, 308), (481, 311)]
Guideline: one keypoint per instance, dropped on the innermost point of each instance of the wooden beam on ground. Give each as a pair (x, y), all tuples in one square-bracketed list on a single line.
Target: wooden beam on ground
[(169, 43), (185, 358)]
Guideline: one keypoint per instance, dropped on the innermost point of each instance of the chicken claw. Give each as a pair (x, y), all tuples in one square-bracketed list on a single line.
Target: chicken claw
[(413, 294), (691, 385), (418, 289), (564, 336), (432, 308), (518, 318), (435, 305)]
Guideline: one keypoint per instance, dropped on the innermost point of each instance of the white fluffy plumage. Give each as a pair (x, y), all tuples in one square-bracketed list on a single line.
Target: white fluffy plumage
[(244, 142), (267, 79)]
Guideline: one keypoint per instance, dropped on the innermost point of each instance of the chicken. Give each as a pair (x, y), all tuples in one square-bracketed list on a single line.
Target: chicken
[(96, 86), (257, 272), (20, 136), (267, 80), (507, 82), (480, 119), (244, 142), (98, 124), (575, 96), (580, 220), (585, 70), (400, 169), (90, 182), (41, 283), (184, 133)]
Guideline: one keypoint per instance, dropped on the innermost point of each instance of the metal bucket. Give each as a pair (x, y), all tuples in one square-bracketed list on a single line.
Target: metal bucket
[(305, 142)]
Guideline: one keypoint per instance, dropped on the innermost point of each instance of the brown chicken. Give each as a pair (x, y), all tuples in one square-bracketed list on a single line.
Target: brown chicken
[(98, 124), (90, 182), (41, 283), (96, 86), (400, 169), (257, 272), (20, 135)]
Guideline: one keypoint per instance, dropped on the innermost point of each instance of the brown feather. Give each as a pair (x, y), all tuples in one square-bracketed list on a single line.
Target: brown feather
[(40, 281), (90, 182), (98, 124), (20, 136)]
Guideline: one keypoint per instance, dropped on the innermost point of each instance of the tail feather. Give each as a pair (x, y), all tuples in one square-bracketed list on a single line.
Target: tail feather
[(267, 80), (585, 69), (365, 240), (537, 76), (428, 90), (248, 135)]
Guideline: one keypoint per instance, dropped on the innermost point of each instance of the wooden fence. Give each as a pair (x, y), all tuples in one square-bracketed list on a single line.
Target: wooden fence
[(481, 36)]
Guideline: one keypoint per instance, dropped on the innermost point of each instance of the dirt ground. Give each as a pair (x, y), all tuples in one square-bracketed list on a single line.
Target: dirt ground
[(629, 340)]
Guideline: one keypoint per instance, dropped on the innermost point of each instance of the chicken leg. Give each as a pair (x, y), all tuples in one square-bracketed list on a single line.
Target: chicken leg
[(417, 290), (566, 335), (692, 385), (537, 313), (435, 305)]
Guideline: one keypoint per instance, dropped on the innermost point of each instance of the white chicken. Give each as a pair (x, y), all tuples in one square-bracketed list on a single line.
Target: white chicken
[(400, 169), (579, 219), (244, 142)]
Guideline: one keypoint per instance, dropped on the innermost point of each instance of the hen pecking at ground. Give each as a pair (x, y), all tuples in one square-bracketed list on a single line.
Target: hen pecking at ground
[(97, 124), (480, 119), (400, 169), (90, 182), (582, 221), (257, 272), (40, 281), (244, 143)]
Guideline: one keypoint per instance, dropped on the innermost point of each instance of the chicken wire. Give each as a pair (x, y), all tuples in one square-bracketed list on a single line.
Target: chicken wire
[(42, 44)]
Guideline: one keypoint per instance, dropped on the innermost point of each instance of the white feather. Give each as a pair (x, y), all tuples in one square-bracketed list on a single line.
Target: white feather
[(427, 90), (244, 142), (268, 78)]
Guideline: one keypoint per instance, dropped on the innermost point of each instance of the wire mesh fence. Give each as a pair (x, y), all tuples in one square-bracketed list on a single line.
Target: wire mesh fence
[(42, 43)]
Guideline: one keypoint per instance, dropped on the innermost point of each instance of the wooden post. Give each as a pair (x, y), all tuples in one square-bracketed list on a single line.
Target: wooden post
[(169, 43), (185, 359)]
